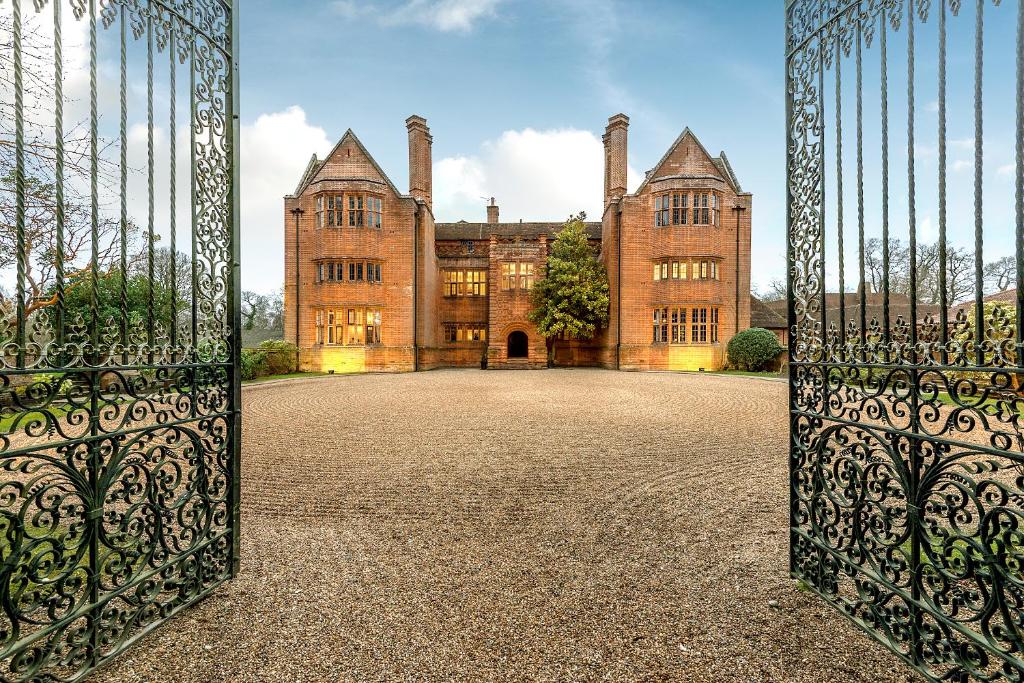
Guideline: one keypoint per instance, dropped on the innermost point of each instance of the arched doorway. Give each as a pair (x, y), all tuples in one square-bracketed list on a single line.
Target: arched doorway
[(518, 345)]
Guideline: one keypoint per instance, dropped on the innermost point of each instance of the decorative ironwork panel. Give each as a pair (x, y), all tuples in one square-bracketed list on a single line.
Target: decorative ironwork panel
[(906, 453), (119, 393)]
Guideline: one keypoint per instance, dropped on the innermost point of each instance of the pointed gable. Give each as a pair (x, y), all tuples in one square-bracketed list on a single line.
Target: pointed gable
[(349, 160), (687, 157)]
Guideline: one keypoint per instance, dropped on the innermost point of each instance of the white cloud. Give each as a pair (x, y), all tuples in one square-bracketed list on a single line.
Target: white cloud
[(962, 165), (443, 15), (275, 151), (1006, 169), (534, 175)]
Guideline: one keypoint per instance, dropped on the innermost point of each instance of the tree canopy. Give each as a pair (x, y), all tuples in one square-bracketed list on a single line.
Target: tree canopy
[(572, 298)]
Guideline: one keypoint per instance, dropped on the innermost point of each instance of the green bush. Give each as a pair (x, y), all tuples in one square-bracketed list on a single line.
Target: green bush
[(281, 357), (753, 350), (254, 363)]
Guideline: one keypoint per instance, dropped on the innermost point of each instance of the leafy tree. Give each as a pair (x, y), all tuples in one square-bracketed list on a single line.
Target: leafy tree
[(78, 300), (572, 299)]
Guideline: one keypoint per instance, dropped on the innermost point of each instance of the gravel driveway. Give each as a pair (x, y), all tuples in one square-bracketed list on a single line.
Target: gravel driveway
[(551, 525)]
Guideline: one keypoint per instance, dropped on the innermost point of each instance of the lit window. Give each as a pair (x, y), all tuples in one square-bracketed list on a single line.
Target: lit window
[(657, 272), (508, 275), (465, 332), (525, 276), (353, 326), (476, 283), (319, 327)]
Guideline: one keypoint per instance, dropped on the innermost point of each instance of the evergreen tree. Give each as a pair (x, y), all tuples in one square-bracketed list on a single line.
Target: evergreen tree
[(572, 299)]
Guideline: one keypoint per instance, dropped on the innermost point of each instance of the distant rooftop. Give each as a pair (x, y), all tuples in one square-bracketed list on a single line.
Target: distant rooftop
[(482, 231)]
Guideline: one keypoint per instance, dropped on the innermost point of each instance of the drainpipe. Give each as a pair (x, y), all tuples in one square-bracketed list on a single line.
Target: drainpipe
[(297, 212), (618, 284), (739, 211), (415, 288)]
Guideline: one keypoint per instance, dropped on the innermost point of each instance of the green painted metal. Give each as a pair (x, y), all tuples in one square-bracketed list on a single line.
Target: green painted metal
[(907, 448), (119, 339)]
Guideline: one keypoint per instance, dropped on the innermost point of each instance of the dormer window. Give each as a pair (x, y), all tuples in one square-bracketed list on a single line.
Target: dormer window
[(674, 208)]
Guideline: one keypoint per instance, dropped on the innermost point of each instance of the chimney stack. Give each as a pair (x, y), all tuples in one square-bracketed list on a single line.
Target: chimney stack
[(615, 138), (420, 159), (492, 212)]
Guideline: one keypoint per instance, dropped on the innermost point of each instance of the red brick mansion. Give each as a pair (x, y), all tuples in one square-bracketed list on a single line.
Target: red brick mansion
[(373, 282)]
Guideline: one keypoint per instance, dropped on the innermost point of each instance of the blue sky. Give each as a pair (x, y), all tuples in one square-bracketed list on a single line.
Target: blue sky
[(506, 84), (517, 93)]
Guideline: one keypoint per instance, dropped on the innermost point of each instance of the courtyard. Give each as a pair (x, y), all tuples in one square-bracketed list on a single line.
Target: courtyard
[(552, 525)]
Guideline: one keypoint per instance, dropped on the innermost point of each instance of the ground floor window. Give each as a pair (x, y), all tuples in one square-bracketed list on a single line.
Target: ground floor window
[(348, 326), (465, 332), (685, 325)]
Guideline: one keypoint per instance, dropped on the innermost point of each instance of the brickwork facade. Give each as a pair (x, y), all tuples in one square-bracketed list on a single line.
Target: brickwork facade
[(373, 283)]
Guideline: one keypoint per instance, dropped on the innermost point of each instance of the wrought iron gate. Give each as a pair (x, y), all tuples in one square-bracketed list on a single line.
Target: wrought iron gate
[(119, 289), (907, 455)]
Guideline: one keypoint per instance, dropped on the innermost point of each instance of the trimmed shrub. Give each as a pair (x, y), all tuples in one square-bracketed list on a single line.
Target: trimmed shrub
[(281, 357), (753, 350)]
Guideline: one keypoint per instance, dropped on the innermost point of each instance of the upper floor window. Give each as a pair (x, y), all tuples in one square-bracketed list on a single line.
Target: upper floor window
[(674, 208), (351, 271), (705, 269), (465, 283), (517, 275), (363, 210)]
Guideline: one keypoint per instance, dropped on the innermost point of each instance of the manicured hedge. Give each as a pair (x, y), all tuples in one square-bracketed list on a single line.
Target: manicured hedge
[(271, 357), (753, 350)]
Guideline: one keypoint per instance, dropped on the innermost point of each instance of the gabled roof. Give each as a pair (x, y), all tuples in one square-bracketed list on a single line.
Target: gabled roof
[(762, 316), (311, 169), (311, 172), (720, 162)]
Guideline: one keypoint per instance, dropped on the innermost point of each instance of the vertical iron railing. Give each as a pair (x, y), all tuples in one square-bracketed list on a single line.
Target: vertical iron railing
[(119, 354), (907, 449)]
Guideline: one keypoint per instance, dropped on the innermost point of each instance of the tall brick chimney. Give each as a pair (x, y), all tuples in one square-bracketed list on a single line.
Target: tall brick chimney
[(420, 159), (615, 138), (492, 212)]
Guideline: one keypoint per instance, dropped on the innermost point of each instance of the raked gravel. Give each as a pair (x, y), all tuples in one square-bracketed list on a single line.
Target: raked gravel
[(561, 525)]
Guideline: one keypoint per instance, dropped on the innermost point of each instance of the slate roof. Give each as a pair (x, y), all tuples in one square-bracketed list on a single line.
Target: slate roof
[(482, 231)]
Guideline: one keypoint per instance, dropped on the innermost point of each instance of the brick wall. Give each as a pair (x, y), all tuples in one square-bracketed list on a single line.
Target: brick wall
[(414, 261)]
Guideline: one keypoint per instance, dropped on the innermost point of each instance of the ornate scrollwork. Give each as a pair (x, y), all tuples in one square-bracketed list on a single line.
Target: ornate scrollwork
[(907, 449), (117, 438)]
